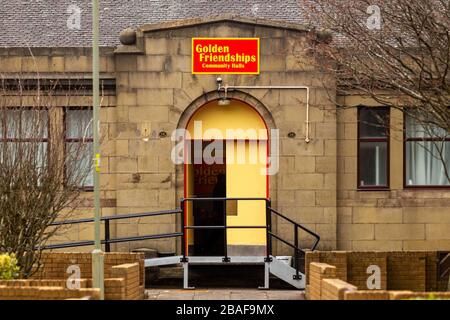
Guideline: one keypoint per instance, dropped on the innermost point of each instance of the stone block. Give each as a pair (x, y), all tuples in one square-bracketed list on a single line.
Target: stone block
[(78, 64), (148, 113), (11, 64), (272, 63), (155, 80), (123, 165), (305, 164), (302, 181), (377, 215), (354, 232), (148, 163), (126, 63), (399, 231), (152, 63), (326, 164), (35, 64), (326, 198), (56, 64), (438, 231), (426, 215), (179, 63), (126, 98), (137, 198), (305, 198)]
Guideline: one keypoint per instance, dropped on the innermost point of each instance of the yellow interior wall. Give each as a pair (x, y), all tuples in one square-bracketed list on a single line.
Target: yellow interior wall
[(237, 115), (243, 180), (246, 181)]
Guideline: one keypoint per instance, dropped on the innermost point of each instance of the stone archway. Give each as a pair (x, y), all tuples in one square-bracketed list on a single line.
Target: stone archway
[(211, 96), (204, 100)]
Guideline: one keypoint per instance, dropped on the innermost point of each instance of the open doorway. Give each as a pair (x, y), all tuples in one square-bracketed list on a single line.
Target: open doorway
[(209, 182), (239, 136)]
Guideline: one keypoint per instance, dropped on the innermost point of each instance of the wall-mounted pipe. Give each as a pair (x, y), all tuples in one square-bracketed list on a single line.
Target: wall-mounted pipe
[(227, 88)]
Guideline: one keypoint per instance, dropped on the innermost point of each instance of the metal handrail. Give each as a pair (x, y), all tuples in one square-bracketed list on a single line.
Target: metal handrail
[(182, 210), (226, 258), (315, 235), (295, 246), (107, 241), (118, 217), (268, 227)]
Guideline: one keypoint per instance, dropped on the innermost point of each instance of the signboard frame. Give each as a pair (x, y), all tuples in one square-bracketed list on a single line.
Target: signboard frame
[(258, 56)]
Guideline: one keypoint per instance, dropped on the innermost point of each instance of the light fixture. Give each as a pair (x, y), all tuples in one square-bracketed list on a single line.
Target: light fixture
[(224, 101), (291, 135)]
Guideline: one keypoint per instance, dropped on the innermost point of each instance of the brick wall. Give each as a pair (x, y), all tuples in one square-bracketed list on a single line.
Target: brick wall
[(406, 295), (130, 273), (335, 258), (416, 271), (115, 289), (366, 295), (54, 265), (318, 272), (407, 272), (324, 285), (124, 273), (84, 283), (46, 293), (334, 289), (357, 264)]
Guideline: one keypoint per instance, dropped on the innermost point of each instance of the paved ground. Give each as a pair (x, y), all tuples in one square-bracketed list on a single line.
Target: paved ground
[(223, 294)]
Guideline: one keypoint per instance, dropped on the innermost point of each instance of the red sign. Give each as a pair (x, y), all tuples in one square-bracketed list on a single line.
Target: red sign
[(225, 55)]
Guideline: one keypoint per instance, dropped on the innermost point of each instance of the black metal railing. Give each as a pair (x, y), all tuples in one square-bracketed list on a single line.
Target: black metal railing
[(108, 240), (268, 227), (270, 234), (225, 227), (297, 250)]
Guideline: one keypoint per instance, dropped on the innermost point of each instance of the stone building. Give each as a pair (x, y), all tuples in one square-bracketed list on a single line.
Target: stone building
[(150, 90)]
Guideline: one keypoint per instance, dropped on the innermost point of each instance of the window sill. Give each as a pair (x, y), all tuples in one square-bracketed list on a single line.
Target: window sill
[(426, 187), (84, 189), (373, 189)]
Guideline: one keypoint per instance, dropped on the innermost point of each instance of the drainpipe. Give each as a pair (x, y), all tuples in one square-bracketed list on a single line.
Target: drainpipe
[(227, 88)]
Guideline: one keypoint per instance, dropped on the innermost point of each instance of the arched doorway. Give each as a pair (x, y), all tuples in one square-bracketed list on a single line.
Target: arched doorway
[(226, 156)]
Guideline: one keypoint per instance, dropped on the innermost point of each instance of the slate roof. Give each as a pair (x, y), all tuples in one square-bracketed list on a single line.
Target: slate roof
[(43, 23)]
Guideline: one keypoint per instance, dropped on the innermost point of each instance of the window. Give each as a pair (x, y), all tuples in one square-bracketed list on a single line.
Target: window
[(24, 136), (79, 147), (373, 148), (427, 154)]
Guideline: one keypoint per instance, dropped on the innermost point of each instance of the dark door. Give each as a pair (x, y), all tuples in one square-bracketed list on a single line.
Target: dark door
[(209, 182)]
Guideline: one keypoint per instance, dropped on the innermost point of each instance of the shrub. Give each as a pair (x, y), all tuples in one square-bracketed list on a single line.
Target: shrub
[(8, 266)]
